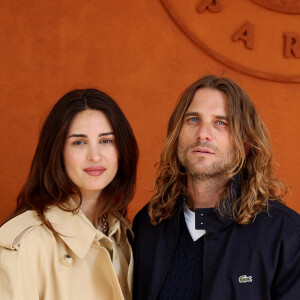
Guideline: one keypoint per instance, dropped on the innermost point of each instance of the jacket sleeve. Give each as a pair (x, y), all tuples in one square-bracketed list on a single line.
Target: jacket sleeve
[(286, 284), (17, 280)]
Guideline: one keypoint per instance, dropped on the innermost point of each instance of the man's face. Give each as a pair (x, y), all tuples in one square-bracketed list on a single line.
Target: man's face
[(205, 146)]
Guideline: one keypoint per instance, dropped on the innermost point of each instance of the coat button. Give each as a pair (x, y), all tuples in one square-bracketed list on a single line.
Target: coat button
[(67, 260)]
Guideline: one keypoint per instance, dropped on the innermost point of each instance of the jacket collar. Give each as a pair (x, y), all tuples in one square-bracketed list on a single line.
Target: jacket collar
[(212, 219)]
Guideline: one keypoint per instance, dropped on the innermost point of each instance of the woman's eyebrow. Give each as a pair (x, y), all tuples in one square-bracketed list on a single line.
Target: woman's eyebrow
[(76, 135), (106, 133)]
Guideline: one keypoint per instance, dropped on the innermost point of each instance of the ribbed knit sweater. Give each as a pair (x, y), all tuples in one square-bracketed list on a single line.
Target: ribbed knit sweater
[(184, 277)]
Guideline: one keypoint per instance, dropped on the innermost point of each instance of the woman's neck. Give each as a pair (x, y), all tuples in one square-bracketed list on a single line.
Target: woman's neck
[(89, 206)]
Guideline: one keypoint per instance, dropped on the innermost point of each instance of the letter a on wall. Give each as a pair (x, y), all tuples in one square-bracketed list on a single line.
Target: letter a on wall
[(246, 34)]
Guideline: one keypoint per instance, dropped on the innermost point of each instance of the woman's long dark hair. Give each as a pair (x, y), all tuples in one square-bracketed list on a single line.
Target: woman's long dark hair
[(48, 183)]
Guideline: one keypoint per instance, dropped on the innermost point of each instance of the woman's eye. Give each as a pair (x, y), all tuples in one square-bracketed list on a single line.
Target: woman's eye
[(79, 142), (106, 141)]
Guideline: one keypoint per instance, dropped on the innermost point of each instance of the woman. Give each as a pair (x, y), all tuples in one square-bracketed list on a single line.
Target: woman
[(68, 238)]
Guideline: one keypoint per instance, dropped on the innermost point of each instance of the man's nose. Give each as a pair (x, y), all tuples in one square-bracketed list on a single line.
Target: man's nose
[(204, 132)]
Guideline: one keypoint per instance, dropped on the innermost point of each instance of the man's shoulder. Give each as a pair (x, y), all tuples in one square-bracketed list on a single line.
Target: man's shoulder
[(142, 217), (142, 212), (278, 220), (283, 212), (142, 224)]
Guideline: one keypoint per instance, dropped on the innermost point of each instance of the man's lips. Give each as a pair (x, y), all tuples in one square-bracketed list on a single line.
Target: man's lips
[(202, 150), (94, 171)]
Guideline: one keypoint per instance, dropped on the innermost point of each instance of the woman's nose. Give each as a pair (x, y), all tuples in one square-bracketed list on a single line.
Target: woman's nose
[(94, 153)]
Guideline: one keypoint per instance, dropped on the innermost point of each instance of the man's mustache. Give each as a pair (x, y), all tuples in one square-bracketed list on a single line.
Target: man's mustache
[(202, 144)]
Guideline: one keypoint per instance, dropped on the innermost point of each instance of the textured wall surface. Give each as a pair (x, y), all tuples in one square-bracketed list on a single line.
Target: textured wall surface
[(137, 53)]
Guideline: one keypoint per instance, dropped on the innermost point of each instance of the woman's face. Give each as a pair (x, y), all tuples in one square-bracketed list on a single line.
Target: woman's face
[(90, 153)]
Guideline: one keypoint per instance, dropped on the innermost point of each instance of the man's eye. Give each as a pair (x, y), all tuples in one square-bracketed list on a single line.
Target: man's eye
[(193, 120), (78, 142), (221, 123)]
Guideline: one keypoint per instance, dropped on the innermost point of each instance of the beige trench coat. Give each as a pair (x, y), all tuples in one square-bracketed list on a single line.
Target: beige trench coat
[(78, 263)]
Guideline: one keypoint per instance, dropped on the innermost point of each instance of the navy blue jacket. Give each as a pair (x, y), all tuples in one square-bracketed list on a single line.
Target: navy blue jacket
[(259, 261)]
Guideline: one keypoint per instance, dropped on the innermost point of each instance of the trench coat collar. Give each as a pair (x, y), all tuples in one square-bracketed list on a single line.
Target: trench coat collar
[(119, 226), (78, 232), (72, 229)]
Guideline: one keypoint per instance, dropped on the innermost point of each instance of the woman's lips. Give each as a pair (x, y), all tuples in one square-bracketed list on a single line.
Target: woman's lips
[(94, 171)]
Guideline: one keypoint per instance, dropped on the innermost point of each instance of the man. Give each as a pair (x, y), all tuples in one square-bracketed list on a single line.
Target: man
[(216, 227)]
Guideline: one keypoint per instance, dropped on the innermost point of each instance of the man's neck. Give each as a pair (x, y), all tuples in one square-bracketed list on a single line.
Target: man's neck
[(204, 193)]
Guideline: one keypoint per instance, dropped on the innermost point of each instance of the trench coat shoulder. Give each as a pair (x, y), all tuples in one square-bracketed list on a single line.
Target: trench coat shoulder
[(13, 232)]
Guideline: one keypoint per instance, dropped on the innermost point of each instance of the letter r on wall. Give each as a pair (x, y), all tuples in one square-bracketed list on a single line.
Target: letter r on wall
[(291, 44)]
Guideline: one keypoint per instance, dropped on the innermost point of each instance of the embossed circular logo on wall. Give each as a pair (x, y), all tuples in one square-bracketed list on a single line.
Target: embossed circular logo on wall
[(256, 37), (285, 6)]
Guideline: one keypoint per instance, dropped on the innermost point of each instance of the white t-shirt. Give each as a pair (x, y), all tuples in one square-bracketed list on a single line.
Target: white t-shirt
[(189, 217)]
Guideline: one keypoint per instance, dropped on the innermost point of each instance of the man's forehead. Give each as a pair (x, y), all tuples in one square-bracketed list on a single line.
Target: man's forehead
[(208, 100)]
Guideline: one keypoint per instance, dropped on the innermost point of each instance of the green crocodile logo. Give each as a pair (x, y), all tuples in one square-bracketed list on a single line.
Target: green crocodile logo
[(245, 278)]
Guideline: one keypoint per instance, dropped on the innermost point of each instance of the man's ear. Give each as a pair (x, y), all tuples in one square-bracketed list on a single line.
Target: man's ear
[(247, 148)]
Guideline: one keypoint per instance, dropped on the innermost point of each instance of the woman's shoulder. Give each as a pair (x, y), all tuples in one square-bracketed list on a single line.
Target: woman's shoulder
[(14, 232)]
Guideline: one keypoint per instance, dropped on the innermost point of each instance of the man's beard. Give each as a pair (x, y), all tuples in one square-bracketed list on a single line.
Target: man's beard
[(200, 170)]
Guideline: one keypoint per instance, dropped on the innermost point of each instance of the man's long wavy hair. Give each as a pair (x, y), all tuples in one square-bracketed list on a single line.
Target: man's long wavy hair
[(258, 182), (48, 183)]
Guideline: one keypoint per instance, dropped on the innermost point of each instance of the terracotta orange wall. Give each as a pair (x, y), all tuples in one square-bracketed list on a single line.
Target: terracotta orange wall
[(133, 51)]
